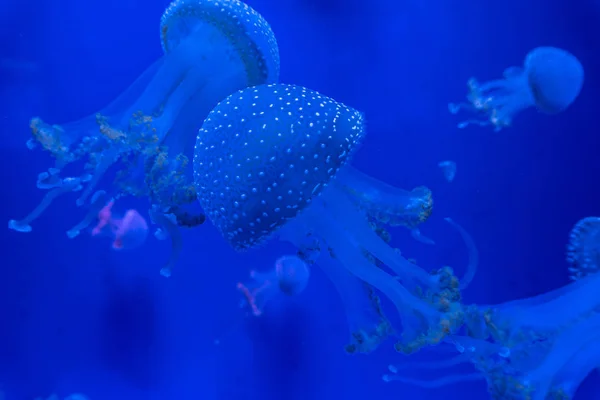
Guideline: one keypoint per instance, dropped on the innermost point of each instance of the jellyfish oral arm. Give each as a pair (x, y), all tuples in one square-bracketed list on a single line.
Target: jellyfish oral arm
[(583, 335), (577, 299)]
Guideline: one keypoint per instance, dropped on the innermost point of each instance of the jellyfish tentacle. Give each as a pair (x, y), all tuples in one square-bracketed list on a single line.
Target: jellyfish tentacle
[(387, 204), (23, 225), (98, 200), (466, 280), (176, 242)]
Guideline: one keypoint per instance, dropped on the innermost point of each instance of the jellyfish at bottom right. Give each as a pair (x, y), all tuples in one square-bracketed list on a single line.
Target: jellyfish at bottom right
[(538, 348), (550, 80)]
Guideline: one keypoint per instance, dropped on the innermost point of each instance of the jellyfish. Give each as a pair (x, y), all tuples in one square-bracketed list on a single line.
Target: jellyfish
[(289, 277), (550, 80), (128, 232), (532, 349), (448, 169), (583, 250), (271, 161), (144, 139)]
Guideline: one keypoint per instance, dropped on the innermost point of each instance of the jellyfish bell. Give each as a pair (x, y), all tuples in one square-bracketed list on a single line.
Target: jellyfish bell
[(550, 80), (292, 275), (272, 160), (146, 136)]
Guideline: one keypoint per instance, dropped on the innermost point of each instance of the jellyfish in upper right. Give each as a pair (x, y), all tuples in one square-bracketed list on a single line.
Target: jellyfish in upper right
[(583, 249), (550, 80)]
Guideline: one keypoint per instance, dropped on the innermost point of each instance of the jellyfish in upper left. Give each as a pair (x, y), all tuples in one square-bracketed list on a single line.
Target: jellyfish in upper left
[(550, 80), (144, 139)]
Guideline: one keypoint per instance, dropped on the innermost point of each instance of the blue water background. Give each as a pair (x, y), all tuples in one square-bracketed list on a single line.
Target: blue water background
[(76, 316)]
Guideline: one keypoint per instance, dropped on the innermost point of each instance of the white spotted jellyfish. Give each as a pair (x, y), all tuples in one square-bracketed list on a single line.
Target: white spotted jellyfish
[(289, 277), (272, 160), (550, 80), (144, 139)]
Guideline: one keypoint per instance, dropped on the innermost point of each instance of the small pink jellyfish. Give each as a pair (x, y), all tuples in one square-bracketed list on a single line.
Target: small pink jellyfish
[(290, 277), (128, 232)]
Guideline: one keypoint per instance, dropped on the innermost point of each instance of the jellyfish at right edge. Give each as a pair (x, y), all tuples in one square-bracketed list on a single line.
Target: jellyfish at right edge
[(271, 160), (550, 80), (583, 249), (538, 348), (144, 139)]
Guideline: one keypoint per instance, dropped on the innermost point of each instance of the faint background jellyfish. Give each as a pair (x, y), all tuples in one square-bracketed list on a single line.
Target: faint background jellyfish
[(448, 169), (550, 80), (583, 249), (289, 277), (282, 154), (128, 232), (146, 135)]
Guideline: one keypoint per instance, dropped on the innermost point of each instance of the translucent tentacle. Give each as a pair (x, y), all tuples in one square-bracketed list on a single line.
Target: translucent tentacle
[(473, 254), (176, 242), (385, 203), (99, 199), (68, 185)]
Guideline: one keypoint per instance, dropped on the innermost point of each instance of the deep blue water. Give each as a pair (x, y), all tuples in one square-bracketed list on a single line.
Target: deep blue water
[(76, 316)]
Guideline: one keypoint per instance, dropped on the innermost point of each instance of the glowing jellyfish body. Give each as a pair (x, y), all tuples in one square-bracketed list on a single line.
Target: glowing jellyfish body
[(266, 162), (128, 232), (549, 80), (146, 136), (448, 169), (537, 348), (583, 250), (289, 277)]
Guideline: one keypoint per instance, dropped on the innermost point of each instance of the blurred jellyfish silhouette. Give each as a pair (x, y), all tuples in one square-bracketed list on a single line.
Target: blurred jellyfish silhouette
[(289, 277), (448, 169), (583, 249), (272, 160), (128, 232), (550, 80), (146, 136)]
